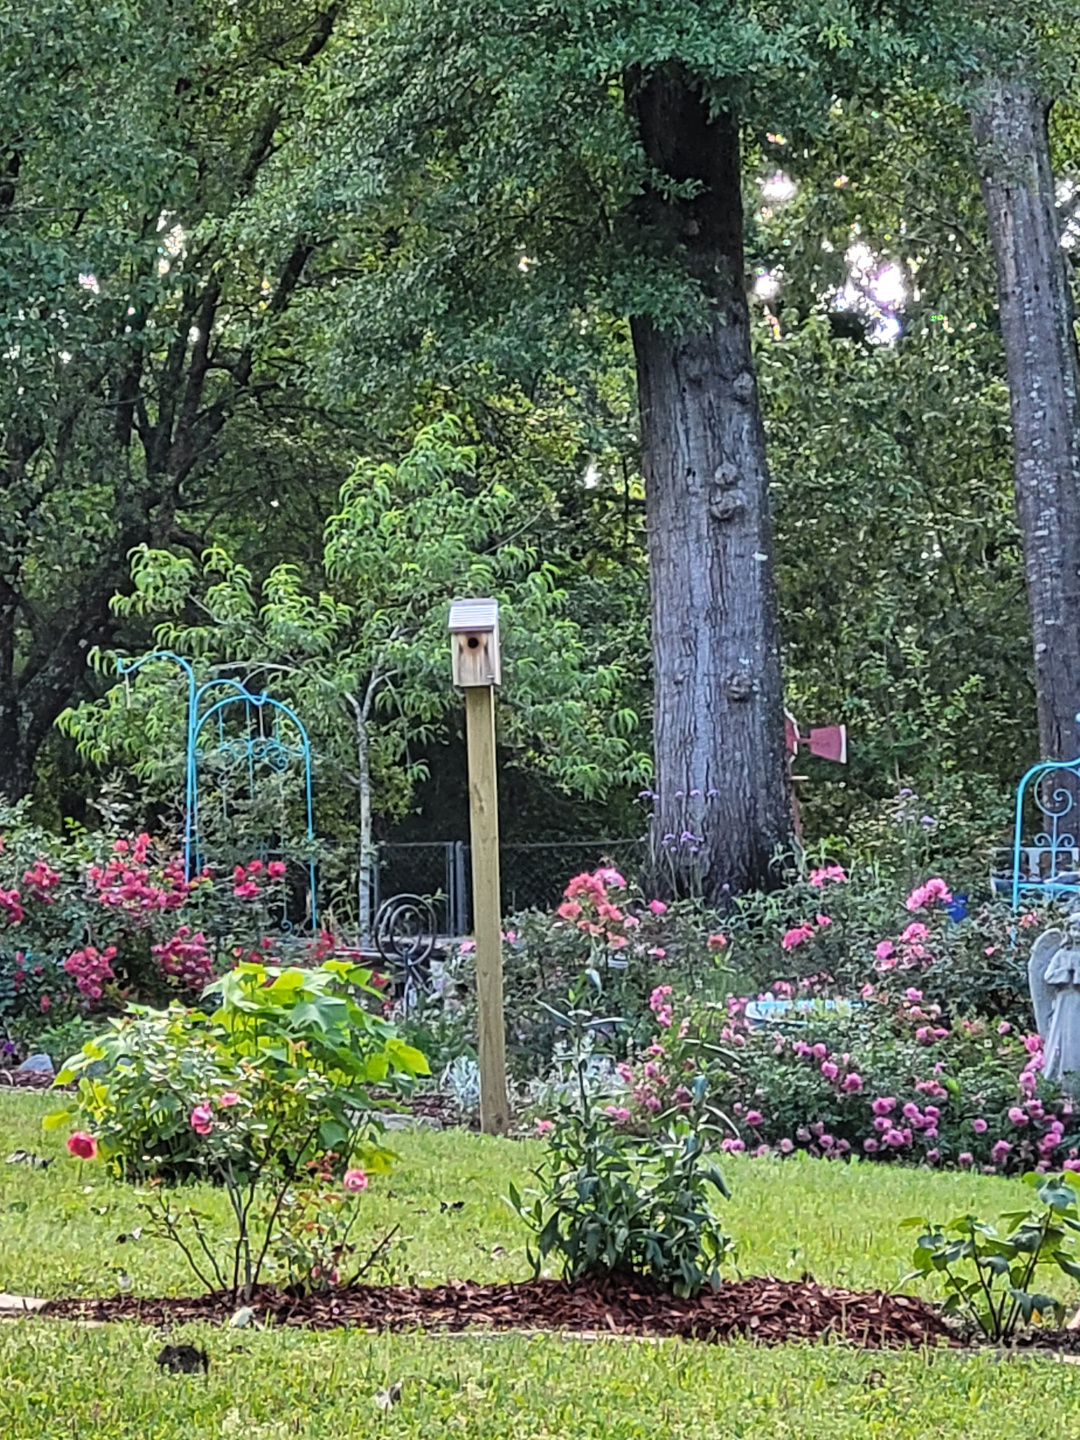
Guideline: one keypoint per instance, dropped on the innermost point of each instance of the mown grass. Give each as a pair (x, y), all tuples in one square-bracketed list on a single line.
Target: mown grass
[(58, 1235)]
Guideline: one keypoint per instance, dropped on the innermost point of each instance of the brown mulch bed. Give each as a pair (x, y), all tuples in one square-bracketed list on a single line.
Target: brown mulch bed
[(25, 1080), (762, 1309)]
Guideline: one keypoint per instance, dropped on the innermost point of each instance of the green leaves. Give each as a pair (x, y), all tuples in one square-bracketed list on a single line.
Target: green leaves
[(998, 1295)]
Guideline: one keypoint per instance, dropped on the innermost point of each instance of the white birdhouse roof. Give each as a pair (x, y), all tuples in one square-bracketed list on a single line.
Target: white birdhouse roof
[(474, 615)]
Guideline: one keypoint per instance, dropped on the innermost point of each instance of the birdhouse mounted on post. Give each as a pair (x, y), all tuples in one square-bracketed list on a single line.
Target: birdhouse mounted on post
[(474, 638), (476, 666)]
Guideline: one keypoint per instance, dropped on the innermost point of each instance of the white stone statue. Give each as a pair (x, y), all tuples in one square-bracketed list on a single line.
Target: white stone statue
[(1054, 978)]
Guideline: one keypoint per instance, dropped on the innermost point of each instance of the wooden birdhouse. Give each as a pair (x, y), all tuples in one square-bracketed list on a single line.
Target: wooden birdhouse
[(474, 640)]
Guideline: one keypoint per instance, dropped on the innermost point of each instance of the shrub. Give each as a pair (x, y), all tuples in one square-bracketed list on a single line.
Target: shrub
[(274, 1027), (274, 1082), (93, 921), (614, 1199), (883, 1077), (605, 926)]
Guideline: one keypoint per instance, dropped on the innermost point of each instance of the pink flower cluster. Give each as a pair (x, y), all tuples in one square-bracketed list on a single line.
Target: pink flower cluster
[(11, 904), (924, 895), (40, 880), (126, 882), (799, 934), (91, 969), (246, 878), (588, 906), (185, 958), (822, 876), (660, 1005), (202, 1116), (908, 951)]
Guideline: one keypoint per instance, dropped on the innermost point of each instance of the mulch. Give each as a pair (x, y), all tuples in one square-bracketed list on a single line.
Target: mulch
[(25, 1080), (759, 1308)]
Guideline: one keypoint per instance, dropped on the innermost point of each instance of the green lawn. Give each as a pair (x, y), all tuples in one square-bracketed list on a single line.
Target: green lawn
[(58, 1234)]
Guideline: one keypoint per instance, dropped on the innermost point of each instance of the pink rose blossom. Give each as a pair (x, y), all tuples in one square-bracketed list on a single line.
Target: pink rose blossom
[(852, 1083), (658, 907), (786, 1146), (965, 1158), (829, 1070), (354, 1181), (1017, 1116), (883, 1105), (81, 1145), (870, 1145), (754, 1118), (544, 1127), (229, 1098), (999, 1151), (980, 1126), (202, 1119)]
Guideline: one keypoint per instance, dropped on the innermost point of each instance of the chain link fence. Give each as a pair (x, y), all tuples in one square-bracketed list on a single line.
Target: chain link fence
[(533, 874)]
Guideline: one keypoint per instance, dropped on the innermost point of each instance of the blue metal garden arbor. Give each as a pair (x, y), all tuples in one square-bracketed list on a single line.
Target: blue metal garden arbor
[(1047, 864), (252, 730)]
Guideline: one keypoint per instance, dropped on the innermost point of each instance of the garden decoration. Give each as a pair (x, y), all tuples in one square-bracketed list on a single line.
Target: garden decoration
[(1054, 977), (477, 668), (238, 731), (827, 742), (405, 934), (1049, 863)]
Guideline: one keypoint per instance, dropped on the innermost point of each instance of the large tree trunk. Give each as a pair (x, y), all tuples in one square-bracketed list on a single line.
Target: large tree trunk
[(1010, 123), (722, 802)]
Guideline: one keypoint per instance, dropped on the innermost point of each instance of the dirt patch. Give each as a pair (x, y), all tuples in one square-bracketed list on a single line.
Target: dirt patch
[(762, 1309)]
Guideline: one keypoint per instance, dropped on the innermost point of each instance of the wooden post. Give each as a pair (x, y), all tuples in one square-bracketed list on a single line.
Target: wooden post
[(487, 906), (474, 626)]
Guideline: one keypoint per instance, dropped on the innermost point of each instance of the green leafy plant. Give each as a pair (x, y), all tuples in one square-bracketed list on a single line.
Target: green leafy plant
[(989, 1276), (615, 1199), (277, 1077)]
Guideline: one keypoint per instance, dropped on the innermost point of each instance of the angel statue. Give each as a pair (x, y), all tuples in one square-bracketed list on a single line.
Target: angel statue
[(1054, 978)]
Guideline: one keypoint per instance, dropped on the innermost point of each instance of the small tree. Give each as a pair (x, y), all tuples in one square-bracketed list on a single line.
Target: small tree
[(365, 662)]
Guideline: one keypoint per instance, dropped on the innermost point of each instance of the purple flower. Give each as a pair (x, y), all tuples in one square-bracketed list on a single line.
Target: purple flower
[(883, 1105), (829, 1070), (852, 1082), (786, 1146), (999, 1151), (870, 1145), (979, 1125), (1017, 1116), (754, 1118), (964, 1158)]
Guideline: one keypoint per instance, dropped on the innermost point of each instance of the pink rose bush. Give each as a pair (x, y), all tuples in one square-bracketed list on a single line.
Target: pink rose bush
[(86, 928), (886, 1081)]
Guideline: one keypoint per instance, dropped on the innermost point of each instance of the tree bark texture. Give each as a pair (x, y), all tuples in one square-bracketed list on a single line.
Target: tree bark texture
[(1009, 119), (722, 787)]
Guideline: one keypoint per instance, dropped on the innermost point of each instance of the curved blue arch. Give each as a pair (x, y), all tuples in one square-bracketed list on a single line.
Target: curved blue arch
[(199, 714)]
